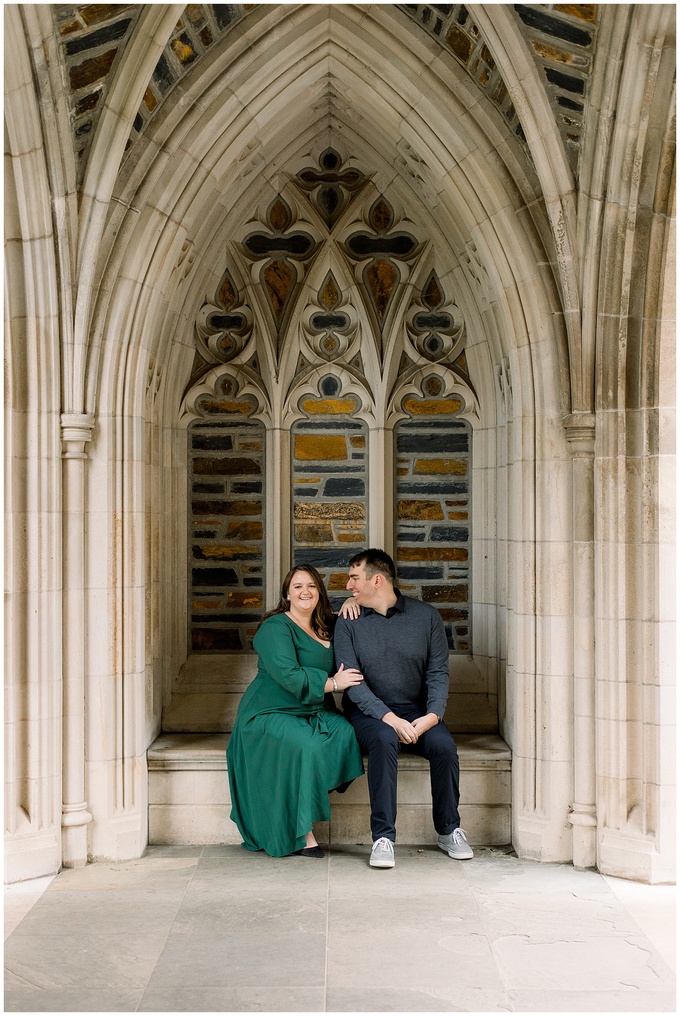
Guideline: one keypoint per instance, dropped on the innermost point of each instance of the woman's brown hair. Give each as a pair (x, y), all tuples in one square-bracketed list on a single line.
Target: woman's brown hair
[(322, 618)]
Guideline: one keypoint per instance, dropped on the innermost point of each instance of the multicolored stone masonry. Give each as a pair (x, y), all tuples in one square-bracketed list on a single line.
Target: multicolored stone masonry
[(562, 38), (330, 486), (433, 512), (199, 28), (226, 533), (92, 35)]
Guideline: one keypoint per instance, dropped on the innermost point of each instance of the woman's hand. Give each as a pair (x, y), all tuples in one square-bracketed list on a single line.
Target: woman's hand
[(347, 678), (350, 609)]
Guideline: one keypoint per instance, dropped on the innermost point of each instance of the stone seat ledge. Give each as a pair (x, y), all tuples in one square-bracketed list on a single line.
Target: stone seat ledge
[(175, 752)]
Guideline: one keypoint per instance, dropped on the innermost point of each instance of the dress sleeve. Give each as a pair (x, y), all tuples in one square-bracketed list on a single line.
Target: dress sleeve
[(277, 653)]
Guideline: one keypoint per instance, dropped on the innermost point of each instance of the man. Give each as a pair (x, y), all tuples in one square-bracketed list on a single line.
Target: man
[(399, 645)]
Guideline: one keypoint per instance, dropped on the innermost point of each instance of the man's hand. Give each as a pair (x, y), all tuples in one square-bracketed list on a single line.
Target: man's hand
[(406, 731), (423, 723)]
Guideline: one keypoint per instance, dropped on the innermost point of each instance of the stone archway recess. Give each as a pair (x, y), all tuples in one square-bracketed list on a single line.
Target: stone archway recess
[(139, 257)]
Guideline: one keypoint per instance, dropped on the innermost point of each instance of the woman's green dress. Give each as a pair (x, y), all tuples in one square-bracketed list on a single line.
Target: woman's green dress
[(287, 750)]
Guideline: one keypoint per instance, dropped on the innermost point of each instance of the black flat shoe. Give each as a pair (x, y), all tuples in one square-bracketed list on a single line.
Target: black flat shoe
[(310, 852)]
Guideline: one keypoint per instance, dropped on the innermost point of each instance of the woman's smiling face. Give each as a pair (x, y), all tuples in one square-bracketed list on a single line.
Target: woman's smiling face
[(303, 592)]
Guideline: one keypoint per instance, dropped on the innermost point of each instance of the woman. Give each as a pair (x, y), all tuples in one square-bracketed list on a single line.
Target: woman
[(288, 748)]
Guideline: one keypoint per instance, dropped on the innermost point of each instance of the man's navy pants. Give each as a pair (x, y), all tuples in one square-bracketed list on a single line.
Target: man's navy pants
[(380, 743)]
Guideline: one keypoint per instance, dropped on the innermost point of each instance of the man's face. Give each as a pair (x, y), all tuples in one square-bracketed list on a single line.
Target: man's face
[(361, 587)]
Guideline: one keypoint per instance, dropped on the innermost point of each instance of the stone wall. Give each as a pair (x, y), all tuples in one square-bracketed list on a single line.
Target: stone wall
[(434, 514), (330, 488), (226, 538)]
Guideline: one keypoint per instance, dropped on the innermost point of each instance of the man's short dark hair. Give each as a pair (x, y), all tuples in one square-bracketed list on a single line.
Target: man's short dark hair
[(375, 560)]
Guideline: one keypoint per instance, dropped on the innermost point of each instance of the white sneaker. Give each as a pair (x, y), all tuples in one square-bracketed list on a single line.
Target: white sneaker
[(455, 845), (382, 854)]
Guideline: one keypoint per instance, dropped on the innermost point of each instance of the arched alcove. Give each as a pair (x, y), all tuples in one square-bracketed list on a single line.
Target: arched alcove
[(225, 186), (352, 205), (454, 195)]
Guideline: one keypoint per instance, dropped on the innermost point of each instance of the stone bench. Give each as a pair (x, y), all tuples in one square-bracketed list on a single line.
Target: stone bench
[(189, 801)]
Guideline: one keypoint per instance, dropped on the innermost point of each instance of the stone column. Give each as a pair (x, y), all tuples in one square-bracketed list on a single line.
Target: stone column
[(277, 510), (76, 431), (381, 489), (580, 432)]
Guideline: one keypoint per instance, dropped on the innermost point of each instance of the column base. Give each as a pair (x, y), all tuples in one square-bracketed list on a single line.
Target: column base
[(74, 836), (584, 836)]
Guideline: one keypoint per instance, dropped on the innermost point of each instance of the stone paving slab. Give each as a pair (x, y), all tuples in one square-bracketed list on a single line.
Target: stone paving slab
[(220, 929)]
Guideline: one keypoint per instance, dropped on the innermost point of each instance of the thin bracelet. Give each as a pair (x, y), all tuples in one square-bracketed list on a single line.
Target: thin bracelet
[(335, 684)]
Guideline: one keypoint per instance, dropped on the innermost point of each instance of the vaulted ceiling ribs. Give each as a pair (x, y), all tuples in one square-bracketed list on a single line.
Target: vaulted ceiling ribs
[(562, 38)]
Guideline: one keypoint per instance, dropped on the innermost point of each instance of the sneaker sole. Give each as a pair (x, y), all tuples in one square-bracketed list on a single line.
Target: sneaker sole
[(381, 864), (457, 857)]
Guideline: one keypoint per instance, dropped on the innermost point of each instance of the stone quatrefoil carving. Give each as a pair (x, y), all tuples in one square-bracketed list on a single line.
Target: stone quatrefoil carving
[(330, 188), (435, 328), (330, 323), (223, 327), (383, 253), (282, 251), (280, 254)]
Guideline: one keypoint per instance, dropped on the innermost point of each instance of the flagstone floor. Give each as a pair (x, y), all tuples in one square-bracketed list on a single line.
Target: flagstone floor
[(217, 929)]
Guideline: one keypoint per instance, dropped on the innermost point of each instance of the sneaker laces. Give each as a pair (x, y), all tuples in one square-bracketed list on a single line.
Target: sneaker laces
[(383, 844), (459, 836)]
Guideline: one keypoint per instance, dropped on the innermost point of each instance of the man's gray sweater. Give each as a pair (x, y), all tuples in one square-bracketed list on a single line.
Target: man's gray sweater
[(404, 657)]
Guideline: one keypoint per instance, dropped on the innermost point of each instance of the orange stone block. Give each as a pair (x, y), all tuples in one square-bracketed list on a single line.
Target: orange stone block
[(440, 466), (432, 554), (358, 441), (329, 407), (320, 447), (584, 11), (244, 531), (220, 552), (419, 510), (321, 533), (460, 43), (278, 278), (352, 537), (336, 581), (549, 52), (244, 600), (381, 278), (206, 605), (150, 100), (458, 516), (432, 407)]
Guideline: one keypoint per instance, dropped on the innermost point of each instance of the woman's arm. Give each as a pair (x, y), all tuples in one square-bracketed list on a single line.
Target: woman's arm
[(277, 653), (275, 647)]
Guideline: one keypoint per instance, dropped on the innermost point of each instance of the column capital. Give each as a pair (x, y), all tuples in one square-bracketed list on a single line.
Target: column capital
[(580, 432), (76, 432)]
